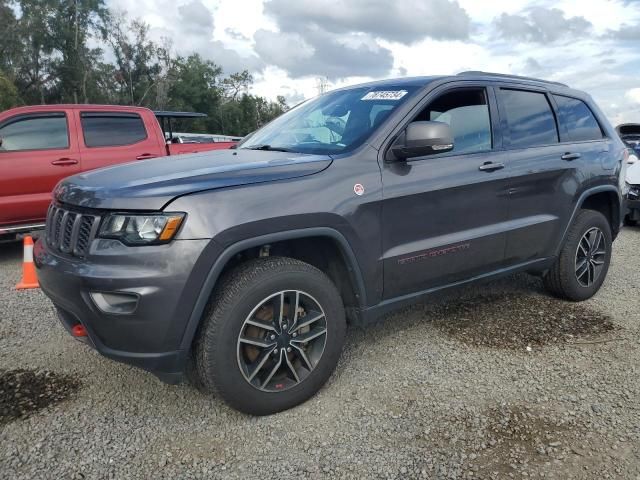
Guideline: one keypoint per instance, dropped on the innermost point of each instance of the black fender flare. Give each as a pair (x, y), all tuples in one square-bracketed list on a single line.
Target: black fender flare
[(586, 194), (219, 264)]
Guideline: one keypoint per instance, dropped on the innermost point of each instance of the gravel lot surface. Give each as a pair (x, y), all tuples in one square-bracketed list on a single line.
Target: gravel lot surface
[(494, 381)]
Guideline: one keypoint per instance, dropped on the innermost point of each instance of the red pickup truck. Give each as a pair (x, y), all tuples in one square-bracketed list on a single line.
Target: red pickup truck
[(40, 145)]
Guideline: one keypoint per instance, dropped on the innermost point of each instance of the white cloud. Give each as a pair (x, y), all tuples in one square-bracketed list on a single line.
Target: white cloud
[(289, 43), (633, 95)]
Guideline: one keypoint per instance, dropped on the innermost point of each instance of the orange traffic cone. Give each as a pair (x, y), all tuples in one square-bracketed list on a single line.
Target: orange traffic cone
[(29, 277)]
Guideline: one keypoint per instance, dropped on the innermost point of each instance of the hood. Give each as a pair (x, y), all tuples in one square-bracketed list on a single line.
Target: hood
[(151, 184)]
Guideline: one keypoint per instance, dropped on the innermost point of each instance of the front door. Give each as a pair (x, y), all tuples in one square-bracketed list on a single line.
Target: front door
[(444, 215), (36, 152)]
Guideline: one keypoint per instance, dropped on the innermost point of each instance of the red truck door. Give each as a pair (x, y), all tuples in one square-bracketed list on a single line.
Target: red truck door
[(111, 137), (37, 151)]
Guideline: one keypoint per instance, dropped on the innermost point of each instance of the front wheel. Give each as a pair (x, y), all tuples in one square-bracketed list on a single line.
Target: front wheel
[(272, 336), (583, 263)]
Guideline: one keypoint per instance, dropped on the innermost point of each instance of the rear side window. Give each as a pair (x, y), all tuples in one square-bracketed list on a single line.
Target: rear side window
[(530, 118), (35, 133), (577, 118), (112, 129)]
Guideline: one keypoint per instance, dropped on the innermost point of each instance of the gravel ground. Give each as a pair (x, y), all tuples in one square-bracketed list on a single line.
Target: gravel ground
[(495, 381)]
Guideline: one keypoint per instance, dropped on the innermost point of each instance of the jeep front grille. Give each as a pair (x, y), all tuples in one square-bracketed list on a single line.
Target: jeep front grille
[(70, 232)]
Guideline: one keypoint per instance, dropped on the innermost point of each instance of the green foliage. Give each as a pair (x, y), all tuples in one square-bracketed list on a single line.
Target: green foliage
[(53, 51), (8, 93)]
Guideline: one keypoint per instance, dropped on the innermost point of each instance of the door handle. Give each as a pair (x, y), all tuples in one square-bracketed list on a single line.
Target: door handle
[(570, 156), (62, 162), (490, 166), (145, 156)]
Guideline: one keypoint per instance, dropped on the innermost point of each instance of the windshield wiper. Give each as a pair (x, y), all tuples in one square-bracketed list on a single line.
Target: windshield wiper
[(268, 148)]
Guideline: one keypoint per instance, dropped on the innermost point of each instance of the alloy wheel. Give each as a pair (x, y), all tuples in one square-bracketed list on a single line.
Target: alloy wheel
[(590, 257), (282, 340)]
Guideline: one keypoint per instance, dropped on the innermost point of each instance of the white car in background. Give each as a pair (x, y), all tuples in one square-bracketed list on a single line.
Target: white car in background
[(633, 183)]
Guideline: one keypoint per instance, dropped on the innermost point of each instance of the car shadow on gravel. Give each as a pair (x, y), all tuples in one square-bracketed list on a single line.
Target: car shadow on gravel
[(512, 313), (10, 251), (23, 392), (518, 320)]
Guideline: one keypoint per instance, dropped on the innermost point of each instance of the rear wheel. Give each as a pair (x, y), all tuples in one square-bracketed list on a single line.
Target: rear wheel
[(583, 263), (272, 336)]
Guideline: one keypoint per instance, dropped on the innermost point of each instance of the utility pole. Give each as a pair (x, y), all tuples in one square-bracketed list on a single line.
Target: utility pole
[(322, 85)]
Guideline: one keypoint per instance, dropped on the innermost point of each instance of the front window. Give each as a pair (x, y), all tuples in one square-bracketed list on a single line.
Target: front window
[(35, 132), (466, 111), (333, 123)]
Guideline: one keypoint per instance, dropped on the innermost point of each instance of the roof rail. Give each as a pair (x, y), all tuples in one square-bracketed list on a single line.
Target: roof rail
[(506, 75)]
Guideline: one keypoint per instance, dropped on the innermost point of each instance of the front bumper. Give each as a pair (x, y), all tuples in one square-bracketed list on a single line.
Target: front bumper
[(150, 336)]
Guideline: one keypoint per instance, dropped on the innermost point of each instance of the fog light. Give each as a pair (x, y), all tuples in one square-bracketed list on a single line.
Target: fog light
[(115, 303)]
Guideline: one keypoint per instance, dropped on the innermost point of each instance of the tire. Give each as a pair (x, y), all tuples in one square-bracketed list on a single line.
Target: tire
[(253, 292), (563, 279)]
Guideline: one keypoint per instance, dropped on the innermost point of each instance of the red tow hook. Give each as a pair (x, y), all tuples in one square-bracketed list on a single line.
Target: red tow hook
[(78, 330)]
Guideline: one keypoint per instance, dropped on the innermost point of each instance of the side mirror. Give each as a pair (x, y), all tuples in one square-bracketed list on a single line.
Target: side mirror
[(423, 138)]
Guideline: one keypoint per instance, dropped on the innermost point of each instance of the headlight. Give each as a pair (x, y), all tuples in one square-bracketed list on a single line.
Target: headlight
[(141, 229)]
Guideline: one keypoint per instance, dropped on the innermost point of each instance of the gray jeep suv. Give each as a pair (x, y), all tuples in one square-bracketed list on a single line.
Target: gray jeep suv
[(240, 268)]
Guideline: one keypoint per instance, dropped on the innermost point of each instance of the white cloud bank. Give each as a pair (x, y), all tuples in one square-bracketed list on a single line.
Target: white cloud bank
[(288, 44)]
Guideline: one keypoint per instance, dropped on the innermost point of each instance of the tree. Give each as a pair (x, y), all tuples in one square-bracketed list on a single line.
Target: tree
[(8, 93), (237, 83), (72, 24), (46, 57), (10, 45), (137, 60), (32, 69)]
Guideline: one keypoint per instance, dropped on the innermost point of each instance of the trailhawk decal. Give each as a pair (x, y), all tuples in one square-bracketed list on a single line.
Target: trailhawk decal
[(434, 253)]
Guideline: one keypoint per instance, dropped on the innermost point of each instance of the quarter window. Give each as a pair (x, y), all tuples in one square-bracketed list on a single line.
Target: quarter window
[(577, 119), (112, 129), (44, 132), (530, 118), (466, 111)]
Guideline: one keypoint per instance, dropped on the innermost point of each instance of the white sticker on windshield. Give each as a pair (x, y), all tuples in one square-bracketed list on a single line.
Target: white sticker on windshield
[(385, 95)]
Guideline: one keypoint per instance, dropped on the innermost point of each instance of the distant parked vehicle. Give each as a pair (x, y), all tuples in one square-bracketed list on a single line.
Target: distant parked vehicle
[(630, 135), (41, 145), (632, 216), (202, 138)]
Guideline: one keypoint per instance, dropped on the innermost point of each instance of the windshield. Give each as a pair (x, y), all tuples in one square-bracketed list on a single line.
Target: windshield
[(332, 123)]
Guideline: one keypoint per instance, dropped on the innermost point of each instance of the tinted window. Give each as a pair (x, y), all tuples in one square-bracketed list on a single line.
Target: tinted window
[(105, 130), (35, 133), (467, 113), (578, 119), (530, 118)]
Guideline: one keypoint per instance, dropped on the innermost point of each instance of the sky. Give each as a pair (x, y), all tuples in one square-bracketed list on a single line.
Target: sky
[(289, 45)]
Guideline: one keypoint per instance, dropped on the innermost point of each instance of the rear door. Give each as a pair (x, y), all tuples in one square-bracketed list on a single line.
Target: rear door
[(545, 173), (37, 151), (108, 138), (444, 215)]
